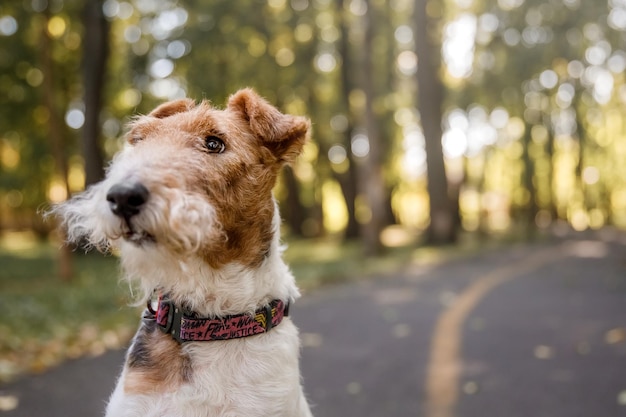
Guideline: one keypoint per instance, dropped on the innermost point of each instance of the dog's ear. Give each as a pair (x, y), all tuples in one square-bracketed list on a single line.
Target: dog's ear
[(283, 134), (173, 107)]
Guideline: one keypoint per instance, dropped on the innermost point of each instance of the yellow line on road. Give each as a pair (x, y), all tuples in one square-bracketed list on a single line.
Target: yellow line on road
[(444, 366)]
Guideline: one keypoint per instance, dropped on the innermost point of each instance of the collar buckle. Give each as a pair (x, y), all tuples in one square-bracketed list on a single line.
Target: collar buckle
[(267, 309), (169, 318)]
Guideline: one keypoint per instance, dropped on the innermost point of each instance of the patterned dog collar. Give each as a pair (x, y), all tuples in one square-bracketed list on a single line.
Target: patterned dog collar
[(185, 326)]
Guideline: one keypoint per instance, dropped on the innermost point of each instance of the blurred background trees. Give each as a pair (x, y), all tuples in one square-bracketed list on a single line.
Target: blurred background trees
[(430, 118)]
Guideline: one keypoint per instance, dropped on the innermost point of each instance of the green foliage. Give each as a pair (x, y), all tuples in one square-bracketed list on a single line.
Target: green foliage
[(553, 68)]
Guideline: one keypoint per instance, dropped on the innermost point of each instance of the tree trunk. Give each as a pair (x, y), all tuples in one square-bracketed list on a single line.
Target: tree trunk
[(551, 177), (371, 176), (582, 138), (56, 134), (443, 224), (349, 180), (95, 53), (528, 180), (295, 212)]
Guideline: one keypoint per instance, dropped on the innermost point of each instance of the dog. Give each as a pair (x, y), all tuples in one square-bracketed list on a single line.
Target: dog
[(188, 205)]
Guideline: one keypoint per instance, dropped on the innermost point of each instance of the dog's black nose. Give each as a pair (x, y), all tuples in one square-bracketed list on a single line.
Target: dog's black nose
[(125, 200)]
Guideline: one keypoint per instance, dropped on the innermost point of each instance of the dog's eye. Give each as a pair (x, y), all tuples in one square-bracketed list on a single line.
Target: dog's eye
[(134, 139), (214, 144)]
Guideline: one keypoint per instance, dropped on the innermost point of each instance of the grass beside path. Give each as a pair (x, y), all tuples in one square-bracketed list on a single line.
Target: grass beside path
[(45, 320)]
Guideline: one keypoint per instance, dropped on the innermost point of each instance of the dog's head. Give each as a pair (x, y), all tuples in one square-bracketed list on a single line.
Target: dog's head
[(193, 179)]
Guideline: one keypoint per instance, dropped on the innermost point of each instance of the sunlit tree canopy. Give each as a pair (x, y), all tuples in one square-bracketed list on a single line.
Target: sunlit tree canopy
[(533, 131)]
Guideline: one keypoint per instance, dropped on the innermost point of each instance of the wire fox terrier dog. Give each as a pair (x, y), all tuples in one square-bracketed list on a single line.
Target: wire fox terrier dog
[(188, 203)]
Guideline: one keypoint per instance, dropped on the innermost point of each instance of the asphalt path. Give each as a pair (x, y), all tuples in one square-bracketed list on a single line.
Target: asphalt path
[(525, 331)]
